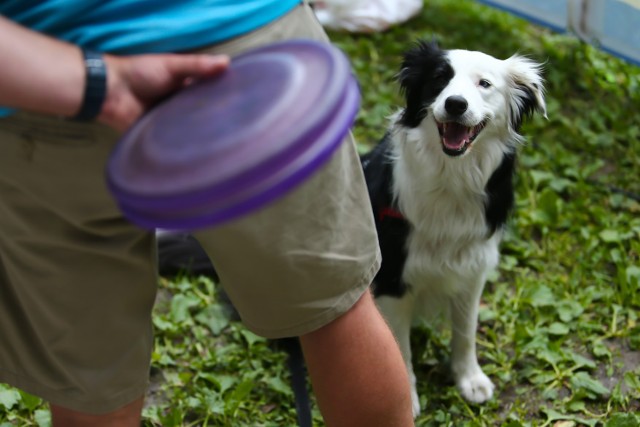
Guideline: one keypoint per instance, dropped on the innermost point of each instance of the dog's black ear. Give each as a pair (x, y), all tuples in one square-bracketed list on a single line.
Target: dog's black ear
[(527, 86), (425, 71), (414, 57)]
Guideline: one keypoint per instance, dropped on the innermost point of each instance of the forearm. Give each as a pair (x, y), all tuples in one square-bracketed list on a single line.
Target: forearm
[(39, 73), (45, 75)]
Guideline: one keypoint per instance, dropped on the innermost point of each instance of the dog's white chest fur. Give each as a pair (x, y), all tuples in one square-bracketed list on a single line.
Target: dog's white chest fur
[(444, 200)]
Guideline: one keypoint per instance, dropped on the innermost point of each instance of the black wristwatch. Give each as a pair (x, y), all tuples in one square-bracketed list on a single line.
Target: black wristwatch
[(95, 89)]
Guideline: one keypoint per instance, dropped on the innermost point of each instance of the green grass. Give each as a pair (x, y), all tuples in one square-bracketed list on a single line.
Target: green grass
[(559, 331)]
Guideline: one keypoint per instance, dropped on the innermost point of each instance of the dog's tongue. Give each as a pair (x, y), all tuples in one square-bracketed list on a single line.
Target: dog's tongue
[(454, 135)]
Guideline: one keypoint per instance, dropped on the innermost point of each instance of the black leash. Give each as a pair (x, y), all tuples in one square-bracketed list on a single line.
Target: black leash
[(298, 370)]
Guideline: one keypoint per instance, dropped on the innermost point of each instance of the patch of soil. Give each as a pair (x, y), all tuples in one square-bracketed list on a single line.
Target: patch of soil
[(624, 359)]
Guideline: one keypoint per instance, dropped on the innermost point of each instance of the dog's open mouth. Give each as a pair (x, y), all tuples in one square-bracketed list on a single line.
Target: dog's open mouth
[(456, 137)]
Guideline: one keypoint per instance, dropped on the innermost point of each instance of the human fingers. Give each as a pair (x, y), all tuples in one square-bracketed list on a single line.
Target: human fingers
[(195, 65), (136, 83)]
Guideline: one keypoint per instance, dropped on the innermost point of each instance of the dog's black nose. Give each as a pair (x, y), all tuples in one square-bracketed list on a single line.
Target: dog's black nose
[(456, 105)]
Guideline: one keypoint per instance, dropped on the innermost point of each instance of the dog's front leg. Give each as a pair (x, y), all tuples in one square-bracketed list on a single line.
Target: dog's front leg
[(472, 383), (398, 312)]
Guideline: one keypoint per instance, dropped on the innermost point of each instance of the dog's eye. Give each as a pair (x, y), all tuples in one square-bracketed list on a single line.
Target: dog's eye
[(484, 83)]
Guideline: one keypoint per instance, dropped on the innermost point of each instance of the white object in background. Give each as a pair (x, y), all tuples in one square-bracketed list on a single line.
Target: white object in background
[(611, 25), (550, 13), (365, 16)]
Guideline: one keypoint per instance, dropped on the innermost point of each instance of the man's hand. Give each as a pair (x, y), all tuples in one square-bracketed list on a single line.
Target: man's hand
[(135, 83)]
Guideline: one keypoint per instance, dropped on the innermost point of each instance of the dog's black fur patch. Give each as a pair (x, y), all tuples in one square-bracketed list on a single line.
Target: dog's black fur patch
[(500, 194), (392, 231), (425, 72)]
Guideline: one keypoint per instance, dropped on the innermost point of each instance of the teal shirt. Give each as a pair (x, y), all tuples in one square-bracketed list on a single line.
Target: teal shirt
[(144, 26)]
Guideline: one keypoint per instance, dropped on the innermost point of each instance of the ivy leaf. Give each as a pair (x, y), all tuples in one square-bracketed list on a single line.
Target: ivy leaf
[(29, 401), (214, 402), (553, 415), (9, 397), (610, 236), (560, 184), (623, 420), (180, 306), (582, 361), (42, 417), (250, 337), (557, 328), (569, 310), (162, 324), (633, 275), (583, 381), (539, 176), (225, 382), (540, 296), (548, 206), (632, 380), (238, 395), (280, 386), (213, 317), (601, 350)]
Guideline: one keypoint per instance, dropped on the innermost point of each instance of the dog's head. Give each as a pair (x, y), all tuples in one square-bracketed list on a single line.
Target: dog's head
[(467, 95)]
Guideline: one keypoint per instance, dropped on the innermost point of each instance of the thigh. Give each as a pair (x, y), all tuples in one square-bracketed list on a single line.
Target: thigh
[(302, 261), (77, 281)]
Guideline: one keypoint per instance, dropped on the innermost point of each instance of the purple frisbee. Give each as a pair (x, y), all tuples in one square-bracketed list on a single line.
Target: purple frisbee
[(223, 147)]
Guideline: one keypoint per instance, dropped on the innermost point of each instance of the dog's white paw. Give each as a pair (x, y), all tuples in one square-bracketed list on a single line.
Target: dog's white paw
[(475, 386), (415, 402)]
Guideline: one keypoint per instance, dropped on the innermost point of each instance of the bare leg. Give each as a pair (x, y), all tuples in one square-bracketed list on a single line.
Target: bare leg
[(127, 416), (357, 371)]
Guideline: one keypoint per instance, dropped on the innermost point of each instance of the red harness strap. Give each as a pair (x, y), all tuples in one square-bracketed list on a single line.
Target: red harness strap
[(390, 212)]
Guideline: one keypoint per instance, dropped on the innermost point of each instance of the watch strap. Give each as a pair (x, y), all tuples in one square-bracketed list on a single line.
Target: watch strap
[(95, 89)]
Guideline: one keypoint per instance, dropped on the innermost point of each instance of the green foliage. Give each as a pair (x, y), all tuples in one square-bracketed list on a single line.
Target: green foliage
[(558, 328), (210, 370), (23, 409), (559, 331)]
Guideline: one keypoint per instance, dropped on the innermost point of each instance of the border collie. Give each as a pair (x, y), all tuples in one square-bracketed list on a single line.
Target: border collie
[(440, 183)]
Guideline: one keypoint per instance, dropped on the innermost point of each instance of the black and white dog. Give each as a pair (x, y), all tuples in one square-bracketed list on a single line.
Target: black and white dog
[(441, 187)]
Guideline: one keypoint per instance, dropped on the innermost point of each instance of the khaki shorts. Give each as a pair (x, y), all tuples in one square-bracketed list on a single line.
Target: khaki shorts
[(78, 282)]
